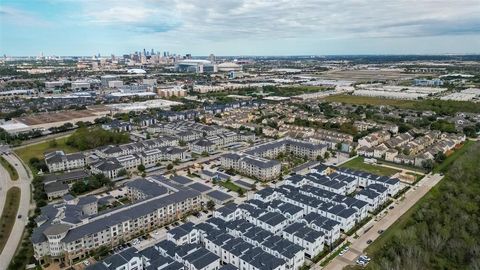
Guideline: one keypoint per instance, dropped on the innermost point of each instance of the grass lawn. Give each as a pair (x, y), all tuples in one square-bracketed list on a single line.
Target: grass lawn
[(9, 215), (231, 186), (360, 100), (402, 166), (11, 170), (37, 150), (424, 105), (450, 159), (358, 164)]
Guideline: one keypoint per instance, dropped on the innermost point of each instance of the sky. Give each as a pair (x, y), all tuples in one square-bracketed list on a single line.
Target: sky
[(239, 27)]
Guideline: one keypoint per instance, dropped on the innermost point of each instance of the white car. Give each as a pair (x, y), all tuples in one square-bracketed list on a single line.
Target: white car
[(365, 258), (86, 263), (360, 262)]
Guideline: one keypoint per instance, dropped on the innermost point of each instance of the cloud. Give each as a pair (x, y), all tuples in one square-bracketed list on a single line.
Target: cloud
[(254, 25), (319, 19), (20, 17)]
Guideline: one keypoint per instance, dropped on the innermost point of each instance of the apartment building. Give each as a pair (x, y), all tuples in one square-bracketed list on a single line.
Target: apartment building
[(144, 188), (59, 161), (203, 146), (111, 168), (66, 240), (257, 167), (288, 145)]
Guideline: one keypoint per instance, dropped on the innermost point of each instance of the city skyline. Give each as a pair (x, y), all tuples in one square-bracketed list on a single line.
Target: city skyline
[(54, 27)]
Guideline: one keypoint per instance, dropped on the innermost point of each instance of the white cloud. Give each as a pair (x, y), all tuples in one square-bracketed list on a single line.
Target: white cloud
[(263, 26), (20, 17), (121, 14), (323, 19)]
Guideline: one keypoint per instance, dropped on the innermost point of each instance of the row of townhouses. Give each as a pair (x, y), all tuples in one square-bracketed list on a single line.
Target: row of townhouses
[(404, 148), (111, 160), (279, 228)]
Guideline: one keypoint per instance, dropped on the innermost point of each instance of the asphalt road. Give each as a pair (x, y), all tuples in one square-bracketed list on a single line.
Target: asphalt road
[(358, 245), (23, 183)]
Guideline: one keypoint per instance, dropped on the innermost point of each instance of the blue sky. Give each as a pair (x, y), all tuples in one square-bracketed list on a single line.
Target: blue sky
[(239, 27)]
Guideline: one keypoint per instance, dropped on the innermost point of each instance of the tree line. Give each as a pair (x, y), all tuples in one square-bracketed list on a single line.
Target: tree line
[(84, 138), (443, 232)]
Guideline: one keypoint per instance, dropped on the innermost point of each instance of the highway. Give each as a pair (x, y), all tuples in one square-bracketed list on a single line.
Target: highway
[(25, 205), (358, 245)]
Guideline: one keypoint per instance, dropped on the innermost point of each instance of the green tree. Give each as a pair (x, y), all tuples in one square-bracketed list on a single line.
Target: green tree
[(427, 165), (210, 205), (440, 157)]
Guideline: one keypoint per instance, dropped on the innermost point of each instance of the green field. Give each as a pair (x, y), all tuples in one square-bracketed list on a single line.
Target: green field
[(358, 164), (11, 170), (231, 186), (37, 150), (401, 166), (439, 106), (450, 159), (9, 214)]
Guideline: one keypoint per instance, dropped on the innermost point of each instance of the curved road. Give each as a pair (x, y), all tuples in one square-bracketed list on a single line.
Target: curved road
[(23, 183)]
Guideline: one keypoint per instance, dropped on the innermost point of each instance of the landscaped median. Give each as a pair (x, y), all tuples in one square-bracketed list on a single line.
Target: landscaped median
[(9, 215), (9, 167)]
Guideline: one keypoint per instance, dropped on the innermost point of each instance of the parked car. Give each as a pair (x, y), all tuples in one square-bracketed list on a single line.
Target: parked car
[(361, 263), (365, 258), (380, 231), (391, 207), (369, 241)]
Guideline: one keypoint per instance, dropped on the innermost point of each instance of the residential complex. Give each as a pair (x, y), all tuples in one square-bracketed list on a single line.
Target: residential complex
[(68, 231)]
